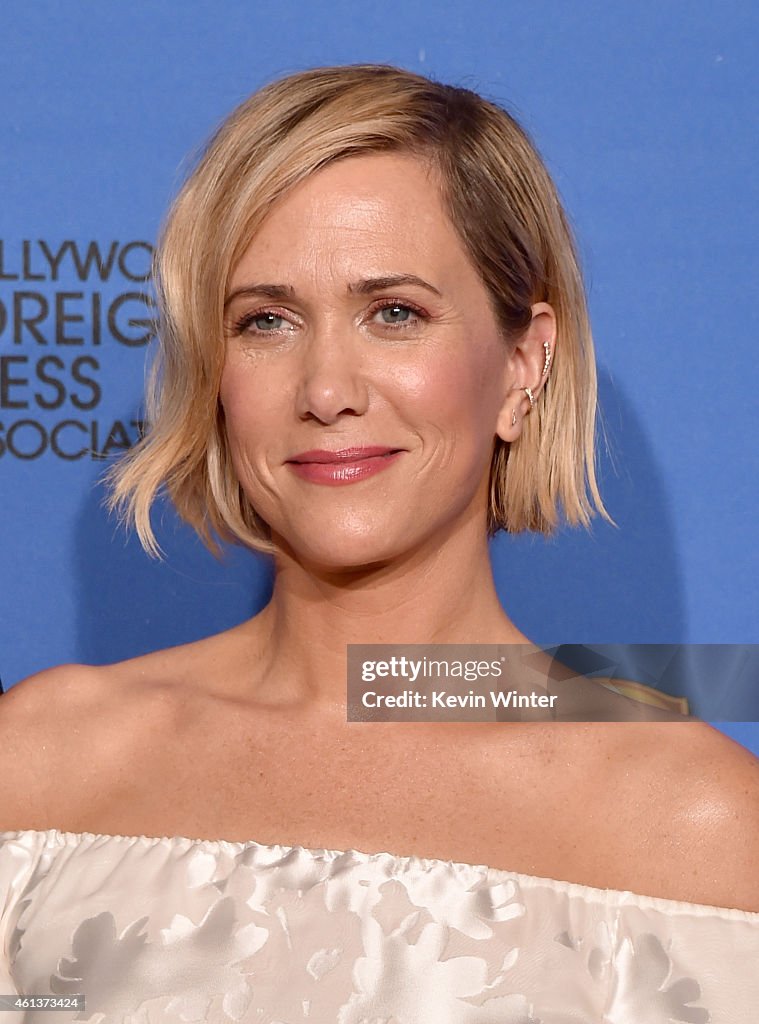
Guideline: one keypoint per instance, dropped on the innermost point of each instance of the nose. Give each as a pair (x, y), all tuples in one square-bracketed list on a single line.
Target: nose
[(332, 379)]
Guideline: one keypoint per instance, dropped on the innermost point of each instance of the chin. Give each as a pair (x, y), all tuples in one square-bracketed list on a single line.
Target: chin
[(334, 550)]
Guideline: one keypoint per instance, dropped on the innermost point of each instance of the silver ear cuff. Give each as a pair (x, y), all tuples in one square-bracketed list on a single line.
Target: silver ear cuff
[(528, 391)]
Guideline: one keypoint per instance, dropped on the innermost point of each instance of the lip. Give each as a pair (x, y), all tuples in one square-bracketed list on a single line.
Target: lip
[(346, 466), (323, 456)]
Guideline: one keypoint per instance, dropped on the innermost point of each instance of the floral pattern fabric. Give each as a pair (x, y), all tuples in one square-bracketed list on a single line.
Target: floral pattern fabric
[(183, 931)]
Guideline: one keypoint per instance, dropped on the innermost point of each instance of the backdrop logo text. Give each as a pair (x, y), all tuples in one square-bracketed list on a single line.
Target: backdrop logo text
[(65, 310)]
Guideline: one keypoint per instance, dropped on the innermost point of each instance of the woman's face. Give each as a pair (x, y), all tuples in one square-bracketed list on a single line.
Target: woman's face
[(322, 354)]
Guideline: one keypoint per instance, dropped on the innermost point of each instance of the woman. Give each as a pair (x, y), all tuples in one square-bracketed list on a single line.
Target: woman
[(365, 259)]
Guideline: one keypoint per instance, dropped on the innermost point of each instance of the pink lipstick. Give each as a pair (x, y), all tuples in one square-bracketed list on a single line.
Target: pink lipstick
[(346, 466)]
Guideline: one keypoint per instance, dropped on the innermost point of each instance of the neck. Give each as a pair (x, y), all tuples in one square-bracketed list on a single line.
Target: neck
[(440, 592)]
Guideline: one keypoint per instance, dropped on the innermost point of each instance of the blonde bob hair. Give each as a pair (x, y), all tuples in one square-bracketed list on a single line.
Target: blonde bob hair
[(500, 199)]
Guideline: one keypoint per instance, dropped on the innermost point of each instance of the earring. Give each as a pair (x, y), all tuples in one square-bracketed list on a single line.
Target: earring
[(547, 348), (528, 391)]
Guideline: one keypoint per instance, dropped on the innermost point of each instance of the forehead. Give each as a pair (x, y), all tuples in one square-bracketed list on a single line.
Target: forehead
[(374, 207)]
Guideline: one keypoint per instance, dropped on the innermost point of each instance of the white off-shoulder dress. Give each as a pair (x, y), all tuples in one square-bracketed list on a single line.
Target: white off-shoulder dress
[(172, 930)]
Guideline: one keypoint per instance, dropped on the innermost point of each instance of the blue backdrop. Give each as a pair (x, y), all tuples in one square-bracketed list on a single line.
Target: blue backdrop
[(646, 115)]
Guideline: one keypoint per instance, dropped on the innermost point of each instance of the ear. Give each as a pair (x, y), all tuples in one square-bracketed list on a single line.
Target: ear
[(525, 368)]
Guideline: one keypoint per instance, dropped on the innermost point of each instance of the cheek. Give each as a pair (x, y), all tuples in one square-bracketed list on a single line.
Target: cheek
[(244, 422), (245, 404), (230, 384), (462, 396)]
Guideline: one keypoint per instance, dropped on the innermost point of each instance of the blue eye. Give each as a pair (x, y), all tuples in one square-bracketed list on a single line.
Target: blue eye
[(394, 309), (263, 321), (411, 315), (267, 317), (266, 321)]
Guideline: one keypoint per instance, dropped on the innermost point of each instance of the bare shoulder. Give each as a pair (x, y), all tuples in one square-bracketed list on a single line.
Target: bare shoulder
[(43, 721), (76, 739), (691, 810), (66, 734), (46, 699)]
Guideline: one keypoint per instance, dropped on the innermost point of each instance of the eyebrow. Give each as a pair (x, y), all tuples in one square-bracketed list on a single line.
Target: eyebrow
[(363, 287)]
